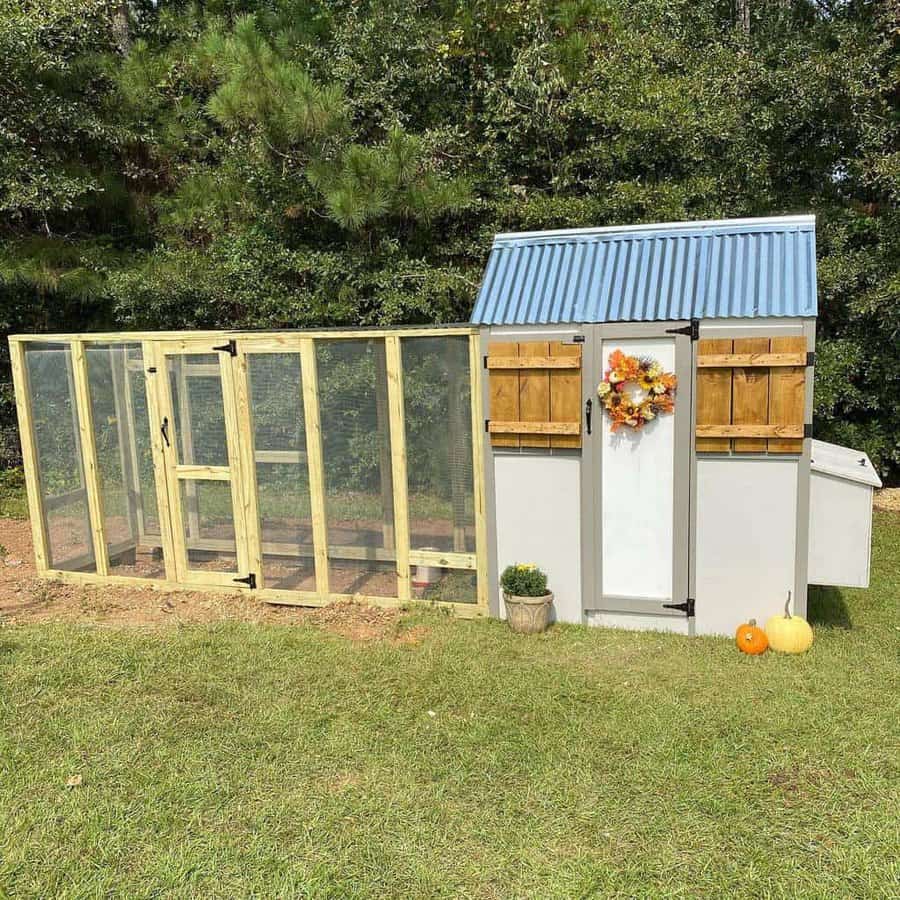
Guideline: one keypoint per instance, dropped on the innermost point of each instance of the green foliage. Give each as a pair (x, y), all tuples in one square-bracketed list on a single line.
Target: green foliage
[(523, 580), (288, 164)]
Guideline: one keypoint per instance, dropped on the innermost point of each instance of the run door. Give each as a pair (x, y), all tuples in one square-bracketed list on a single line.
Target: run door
[(638, 489), (197, 420)]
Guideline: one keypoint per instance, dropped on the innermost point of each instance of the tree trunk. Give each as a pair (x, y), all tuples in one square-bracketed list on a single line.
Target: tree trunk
[(121, 28), (742, 14)]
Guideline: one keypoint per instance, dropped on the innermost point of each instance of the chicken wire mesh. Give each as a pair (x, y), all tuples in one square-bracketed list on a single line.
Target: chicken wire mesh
[(438, 423), (282, 475), (356, 447), (58, 448), (122, 445)]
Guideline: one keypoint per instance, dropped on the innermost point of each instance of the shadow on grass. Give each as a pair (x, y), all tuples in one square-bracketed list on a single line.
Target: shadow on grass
[(826, 606)]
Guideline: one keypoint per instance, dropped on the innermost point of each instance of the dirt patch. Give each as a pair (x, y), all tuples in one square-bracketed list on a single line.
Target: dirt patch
[(25, 599), (888, 498)]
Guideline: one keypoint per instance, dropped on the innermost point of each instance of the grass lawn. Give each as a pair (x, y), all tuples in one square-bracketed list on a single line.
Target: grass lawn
[(260, 760)]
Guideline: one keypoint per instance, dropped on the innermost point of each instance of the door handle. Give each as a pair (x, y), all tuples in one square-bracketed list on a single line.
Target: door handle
[(588, 408), (164, 428)]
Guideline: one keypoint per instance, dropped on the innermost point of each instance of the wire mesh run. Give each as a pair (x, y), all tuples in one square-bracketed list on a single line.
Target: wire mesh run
[(282, 474), (438, 422), (59, 462), (356, 448), (186, 439)]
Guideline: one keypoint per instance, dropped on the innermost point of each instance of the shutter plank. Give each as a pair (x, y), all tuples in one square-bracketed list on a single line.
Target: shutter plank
[(787, 395), (534, 393), (565, 393), (504, 393), (713, 396), (750, 395)]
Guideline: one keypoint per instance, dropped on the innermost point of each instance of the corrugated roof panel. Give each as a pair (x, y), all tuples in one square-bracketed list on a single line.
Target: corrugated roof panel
[(740, 268)]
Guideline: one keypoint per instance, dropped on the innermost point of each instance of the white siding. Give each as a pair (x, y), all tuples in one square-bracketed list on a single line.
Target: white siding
[(539, 521), (746, 540), (840, 531)]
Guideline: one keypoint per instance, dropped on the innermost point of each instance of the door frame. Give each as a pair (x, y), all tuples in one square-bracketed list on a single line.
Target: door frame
[(170, 473), (684, 463)]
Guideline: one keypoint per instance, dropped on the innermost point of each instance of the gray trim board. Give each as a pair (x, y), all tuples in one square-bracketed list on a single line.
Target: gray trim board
[(804, 473)]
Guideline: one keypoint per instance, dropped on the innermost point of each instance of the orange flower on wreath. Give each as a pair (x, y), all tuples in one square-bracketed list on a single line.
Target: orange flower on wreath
[(646, 374)]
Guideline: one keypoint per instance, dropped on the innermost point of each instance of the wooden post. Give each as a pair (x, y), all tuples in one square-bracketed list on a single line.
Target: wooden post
[(481, 540), (398, 464), (382, 419), (36, 512), (125, 436), (155, 385), (85, 418), (314, 458), (247, 476)]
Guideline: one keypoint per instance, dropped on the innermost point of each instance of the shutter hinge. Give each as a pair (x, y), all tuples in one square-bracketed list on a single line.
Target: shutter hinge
[(811, 358), (578, 339), (807, 430), (692, 330), (687, 607), (487, 422), (230, 348), (485, 361), (250, 581), (152, 370)]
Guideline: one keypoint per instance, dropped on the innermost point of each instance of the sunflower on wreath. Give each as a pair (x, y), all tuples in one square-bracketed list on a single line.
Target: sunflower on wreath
[(635, 390)]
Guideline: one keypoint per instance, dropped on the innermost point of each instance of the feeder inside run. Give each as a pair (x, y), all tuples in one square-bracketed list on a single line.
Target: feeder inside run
[(426, 575)]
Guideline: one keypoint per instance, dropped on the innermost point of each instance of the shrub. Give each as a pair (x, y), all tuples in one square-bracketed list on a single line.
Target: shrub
[(524, 580)]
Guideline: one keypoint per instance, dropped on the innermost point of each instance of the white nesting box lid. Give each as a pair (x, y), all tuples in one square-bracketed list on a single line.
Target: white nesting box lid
[(842, 462)]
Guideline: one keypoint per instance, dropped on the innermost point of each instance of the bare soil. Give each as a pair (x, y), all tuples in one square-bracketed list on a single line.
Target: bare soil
[(25, 599), (888, 498)]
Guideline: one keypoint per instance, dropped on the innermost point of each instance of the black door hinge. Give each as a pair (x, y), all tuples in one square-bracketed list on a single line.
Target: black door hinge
[(152, 370), (692, 330), (485, 361), (487, 423), (811, 358), (250, 581), (807, 430), (230, 348), (578, 339), (687, 607)]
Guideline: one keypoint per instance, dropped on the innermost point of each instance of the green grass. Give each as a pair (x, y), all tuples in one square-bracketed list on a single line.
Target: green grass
[(13, 502), (243, 760)]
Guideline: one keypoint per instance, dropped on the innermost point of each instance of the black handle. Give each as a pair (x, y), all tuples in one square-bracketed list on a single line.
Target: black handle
[(588, 407), (164, 428)]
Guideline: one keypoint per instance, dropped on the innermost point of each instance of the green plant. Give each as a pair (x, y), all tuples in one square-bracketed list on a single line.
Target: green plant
[(524, 580)]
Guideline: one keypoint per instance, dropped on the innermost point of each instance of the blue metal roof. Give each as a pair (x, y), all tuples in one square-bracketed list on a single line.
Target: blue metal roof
[(686, 270)]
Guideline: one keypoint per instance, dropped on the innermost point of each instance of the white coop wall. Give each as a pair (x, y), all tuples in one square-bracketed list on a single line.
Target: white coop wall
[(746, 540), (539, 520)]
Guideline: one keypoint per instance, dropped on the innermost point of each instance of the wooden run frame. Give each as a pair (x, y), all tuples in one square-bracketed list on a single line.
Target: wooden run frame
[(240, 472)]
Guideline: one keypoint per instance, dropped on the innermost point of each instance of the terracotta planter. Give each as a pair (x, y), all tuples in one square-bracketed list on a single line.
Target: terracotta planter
[(528, 615)]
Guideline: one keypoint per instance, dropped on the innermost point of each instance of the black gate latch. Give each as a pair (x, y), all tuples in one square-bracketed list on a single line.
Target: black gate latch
[(687, 607), (250, 581)]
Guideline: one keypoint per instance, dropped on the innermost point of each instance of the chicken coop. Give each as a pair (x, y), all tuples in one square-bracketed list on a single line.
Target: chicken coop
[(629, 409), (649, 397), (302, 466)]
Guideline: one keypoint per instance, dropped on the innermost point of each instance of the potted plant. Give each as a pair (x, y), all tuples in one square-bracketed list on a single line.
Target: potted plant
[(527, 598)]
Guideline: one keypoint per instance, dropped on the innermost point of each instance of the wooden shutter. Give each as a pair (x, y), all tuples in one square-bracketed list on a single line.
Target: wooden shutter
[(751, 395), (535, 394)]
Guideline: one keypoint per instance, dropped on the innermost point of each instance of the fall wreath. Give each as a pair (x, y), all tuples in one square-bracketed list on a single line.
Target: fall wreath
[(635, 390)]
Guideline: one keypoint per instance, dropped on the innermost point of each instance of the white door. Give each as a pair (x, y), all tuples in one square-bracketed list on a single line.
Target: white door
[(640, 486)]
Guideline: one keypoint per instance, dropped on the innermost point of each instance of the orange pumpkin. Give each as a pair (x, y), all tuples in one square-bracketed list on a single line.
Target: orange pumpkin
[(751, 639)]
